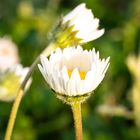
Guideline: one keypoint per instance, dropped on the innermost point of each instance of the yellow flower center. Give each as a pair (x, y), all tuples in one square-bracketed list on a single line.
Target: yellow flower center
[(81, 73)]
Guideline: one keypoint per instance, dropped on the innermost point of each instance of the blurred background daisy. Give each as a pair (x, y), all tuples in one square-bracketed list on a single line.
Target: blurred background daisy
[(112, 113), (12, 72)]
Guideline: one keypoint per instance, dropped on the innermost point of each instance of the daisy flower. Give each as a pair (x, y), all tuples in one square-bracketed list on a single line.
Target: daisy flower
[(83, 23), (73, 71)]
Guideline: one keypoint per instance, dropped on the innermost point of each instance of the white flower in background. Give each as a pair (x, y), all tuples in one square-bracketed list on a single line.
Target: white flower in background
[(11, 80), (83, 21), (8, 54), (11, 72), (73, 71)]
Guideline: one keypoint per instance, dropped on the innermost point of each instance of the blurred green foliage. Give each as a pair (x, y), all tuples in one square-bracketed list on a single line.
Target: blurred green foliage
[(41, 115)]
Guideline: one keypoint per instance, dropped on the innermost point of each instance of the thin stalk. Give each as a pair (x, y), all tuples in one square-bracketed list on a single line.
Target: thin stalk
[(76, 109), (20, 93), (13, 114)]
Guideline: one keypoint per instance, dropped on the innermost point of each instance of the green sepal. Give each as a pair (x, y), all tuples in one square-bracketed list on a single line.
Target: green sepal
[(64, 35), (70, 100)]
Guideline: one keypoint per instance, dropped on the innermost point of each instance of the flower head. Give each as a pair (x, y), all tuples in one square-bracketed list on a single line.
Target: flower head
[(8, 54), (83, 24), (73, 71), (10, 81)]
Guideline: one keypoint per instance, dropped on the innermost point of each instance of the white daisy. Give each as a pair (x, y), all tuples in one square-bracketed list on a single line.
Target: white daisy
[(83, 21), (8, 54), (73, 71), (11, 80)]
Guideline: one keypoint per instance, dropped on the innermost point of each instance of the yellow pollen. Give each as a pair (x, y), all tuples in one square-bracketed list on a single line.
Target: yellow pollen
[(81, 73)]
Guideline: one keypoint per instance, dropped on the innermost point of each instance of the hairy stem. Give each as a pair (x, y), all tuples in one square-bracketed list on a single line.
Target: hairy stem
[(76, 109), (20, 93)]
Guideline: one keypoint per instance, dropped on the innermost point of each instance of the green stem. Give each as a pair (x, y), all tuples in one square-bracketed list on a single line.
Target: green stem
[(76, 109), (13, 115), (20, 93)]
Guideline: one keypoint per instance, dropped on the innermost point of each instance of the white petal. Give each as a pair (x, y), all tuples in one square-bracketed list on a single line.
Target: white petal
[(65, 78), (74, 12), (92, 36), (73, 83), (45, 63), (88, 82), (55, 57)]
